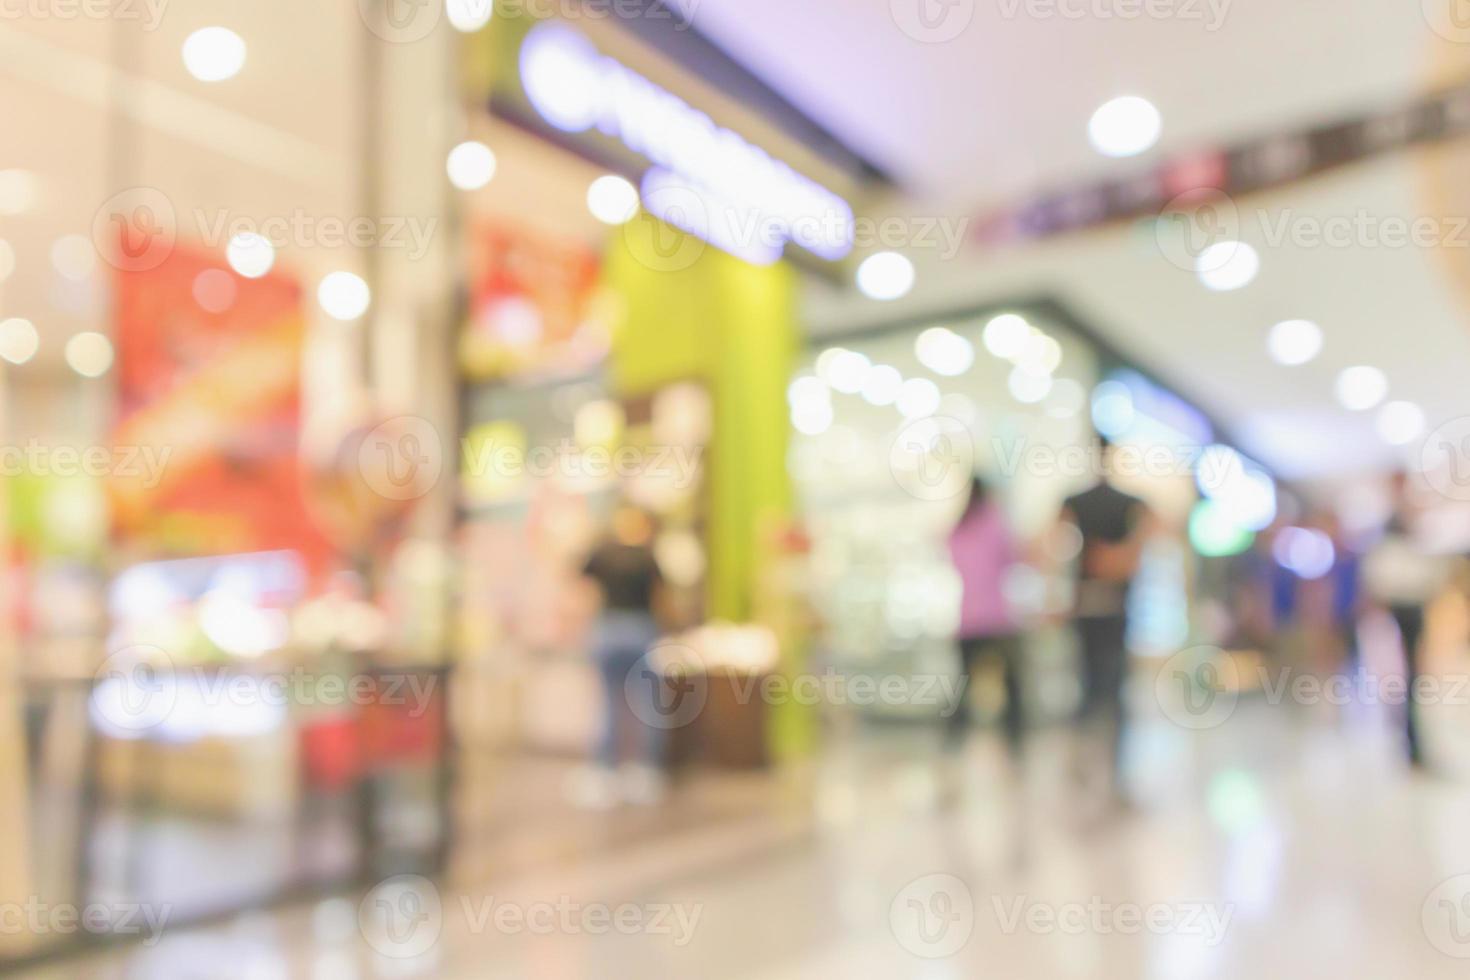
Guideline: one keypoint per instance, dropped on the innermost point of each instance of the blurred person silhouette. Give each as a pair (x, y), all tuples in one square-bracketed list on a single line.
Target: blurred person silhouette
[(983, 552), (1346, 579), (1403, 576), (1114, 528), (624, 631), (1257, 607)]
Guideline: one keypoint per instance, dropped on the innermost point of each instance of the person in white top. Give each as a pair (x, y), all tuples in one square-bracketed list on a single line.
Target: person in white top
[(1404, 576)]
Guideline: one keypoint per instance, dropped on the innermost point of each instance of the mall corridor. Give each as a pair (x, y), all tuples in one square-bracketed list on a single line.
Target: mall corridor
[(1281, 843), (605, 489)]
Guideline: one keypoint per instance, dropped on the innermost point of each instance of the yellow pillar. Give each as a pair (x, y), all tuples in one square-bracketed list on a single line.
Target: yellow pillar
[(692, 311)]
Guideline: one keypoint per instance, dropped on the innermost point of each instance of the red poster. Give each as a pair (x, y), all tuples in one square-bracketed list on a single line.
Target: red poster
[(535, 306), (209, 383)]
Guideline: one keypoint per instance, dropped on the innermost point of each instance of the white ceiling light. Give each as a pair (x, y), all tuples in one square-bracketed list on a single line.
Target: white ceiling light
[(1040, 354), (1028, 388), (214, 290), (918, 398), (1125, 126), (812, 418), (1294, 342), (1247, 496), (74, 257), (344, 296), (826, 359), (944, 352), (89, 354), (7, 260), (883, 385), (1006, 335), (1307, 552), (1360, 388), (471, 165), (885, 276), (1400, 423), (468, 16), (19, 340), (1113, 411), (1224, 266), (250, 255), (612, 200), (811, 405), (847, 371), (17, 191), (808, 390), (213, 54)]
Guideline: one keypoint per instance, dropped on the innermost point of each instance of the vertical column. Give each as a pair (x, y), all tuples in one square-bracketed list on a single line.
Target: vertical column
[(15, 882), (411, 119)]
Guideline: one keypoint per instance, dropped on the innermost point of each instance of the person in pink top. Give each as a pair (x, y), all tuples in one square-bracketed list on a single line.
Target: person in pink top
[(983, 551)]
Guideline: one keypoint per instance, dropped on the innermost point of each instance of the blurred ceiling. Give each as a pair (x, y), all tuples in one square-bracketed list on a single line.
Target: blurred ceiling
[(1000, 112), (990, 116)]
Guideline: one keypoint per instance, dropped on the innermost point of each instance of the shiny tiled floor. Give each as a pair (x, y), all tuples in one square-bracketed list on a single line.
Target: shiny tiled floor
[(1284, 843)]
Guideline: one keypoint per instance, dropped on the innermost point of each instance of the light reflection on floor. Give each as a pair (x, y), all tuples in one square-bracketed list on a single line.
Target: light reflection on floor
[(1279, 844)]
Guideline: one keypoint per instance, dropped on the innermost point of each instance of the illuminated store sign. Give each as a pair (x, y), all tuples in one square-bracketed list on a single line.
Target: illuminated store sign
[(709, 181)]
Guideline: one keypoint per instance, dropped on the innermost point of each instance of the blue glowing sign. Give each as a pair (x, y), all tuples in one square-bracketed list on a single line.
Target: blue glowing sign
[(708, 180)]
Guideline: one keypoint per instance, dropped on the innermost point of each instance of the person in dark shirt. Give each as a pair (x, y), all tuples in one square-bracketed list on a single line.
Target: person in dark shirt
[(625, 629), (1114, 527)]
